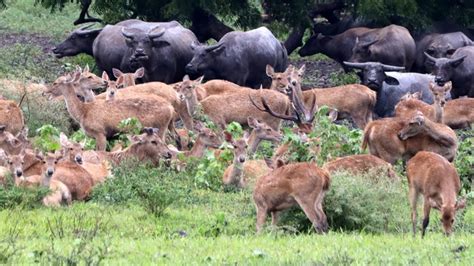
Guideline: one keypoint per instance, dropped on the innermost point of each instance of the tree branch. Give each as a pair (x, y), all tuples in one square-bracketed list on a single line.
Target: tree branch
[(85, 4), (206, 26)]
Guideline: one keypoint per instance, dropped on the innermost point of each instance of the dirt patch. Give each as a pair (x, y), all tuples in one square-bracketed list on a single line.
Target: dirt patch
[(8, 39), (318, 73)]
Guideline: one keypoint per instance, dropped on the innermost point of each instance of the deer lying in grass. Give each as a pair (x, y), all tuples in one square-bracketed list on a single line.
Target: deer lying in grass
[(73, 152), (206, 138), (100, 119), (4, 170), (11, 116), (437, 180), (303, 184), (242, 171), (360, 164), (459, 113), (355, 100), (8, 142), (394, 138), (412, 103), (128, 79), (260, 131)]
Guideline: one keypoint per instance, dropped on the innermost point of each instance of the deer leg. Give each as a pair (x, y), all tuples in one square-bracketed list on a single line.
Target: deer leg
[(261, 217), (308, 209), (413, 195), (101, 142), (275, 218), (318, 207), (359, 120), (426, 215)]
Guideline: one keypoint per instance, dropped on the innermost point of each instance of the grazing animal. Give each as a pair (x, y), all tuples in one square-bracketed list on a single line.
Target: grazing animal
[(77, 42), (360, 164), (459, 69), (392, 86), (437, 180), (242, 172), (254, 50), (100, 119), (398, 137), (128, 78), (438, 45), (162, 48), (392, 45), (303, 184), (459, 113), (410, 104)]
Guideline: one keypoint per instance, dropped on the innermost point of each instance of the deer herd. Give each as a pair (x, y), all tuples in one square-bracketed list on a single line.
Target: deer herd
[(419, 133)]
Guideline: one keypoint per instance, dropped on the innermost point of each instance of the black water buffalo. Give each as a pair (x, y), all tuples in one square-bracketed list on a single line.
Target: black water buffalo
[(392, 45), (163, 49), (240, 57), (338, 47), (391, 86), (459, 69), (438, 46), (79, 41)]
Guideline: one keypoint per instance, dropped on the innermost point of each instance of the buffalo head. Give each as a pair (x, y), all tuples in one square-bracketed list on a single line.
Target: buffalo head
[(443, 68), (203, 59), (373, 74), (314, 45), (79, 41), (361, 50), (141, 43)]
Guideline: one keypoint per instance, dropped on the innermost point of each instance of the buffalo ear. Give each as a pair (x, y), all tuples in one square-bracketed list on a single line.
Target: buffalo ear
[(160, 44), (455, 63), (392, 81), (218, 50)]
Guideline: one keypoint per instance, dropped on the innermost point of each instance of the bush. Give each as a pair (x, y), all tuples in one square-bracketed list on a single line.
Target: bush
[(18, 197), (465, 159), (341, 78)]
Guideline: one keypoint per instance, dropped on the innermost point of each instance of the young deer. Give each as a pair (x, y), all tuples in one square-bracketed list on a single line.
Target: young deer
[(260, 131), (459, 113), (303, 184), (360, 164), (437, 180), (242, 171), (412, 103), (128, 78), (11, 116), (206, 139), (100, 119)]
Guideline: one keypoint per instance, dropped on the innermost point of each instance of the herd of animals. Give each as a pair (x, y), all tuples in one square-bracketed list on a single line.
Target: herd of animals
[(159, 74)]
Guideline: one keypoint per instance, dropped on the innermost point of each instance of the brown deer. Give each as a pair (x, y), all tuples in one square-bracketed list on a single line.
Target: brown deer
[(242, 171), (303, 184), (412, 103), (8, 142), (11, 116), (128, 78), (260, 131), (100, 119), (73, 152), (459, 113), (395, 137), (355, 100), (437, 180), (206, 138), (360, 164)]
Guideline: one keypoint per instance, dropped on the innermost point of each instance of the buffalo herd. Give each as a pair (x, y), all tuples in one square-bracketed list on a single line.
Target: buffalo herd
[(388, 59)]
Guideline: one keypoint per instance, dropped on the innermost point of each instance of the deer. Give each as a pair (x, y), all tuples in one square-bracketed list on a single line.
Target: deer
[(73, 152), (11, 116), (100, 119), (8, 142), (242, 171), (303, 184), (437, 180), (128, 78), (283, 152), (206, 138), (355, 100), (397, 137), (260, 131), (459, 113), (360, 164), (411, 103)]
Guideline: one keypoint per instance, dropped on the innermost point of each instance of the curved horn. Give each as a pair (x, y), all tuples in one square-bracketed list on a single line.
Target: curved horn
[(367, 44), (392, 68), (357, 65), (156, 34), (84, 31), (432, 59), (266, 108), (456, 60), (213, 47), (127, 34)]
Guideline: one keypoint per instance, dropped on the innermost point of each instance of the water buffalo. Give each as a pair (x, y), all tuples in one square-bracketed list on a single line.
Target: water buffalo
[(338, 47), (78, 42), (392, 45), (438, 46), (391, 86), (163, 49), (240, 57), (459, 69)]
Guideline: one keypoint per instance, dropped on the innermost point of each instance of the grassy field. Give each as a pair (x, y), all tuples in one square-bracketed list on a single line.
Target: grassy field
[(161, 216)]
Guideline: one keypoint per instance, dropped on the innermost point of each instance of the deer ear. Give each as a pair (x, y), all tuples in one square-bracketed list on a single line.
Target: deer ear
[(186, 78), (117, 73), (63, 140), (105, 76), (135, 139), (120, 81), (199, 80), (333, 113), (86, 69), (270, 71), (39, 155), (252, 122), (461, 204), (301, 70), (448, 86), (139, 73), (246, 136)]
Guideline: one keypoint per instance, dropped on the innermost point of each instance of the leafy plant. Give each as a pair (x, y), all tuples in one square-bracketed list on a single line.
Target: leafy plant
[(80, 136), (341, 78), (47, 138), (464, 161), (18, 197)]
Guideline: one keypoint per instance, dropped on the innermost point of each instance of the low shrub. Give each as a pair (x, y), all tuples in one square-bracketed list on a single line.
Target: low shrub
[(18, 197), (464, 161), (341, 78)]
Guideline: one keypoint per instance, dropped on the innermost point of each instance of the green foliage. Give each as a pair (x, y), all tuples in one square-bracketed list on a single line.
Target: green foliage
[(209, 170), (47, 138), (80, 136), (341, 78), (129, 126), (19, 197), (465, 160)]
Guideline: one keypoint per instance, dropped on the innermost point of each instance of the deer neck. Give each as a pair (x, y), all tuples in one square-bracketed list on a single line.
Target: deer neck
[(253, 142), (191, 104), (46, 180), (198, 148), (438, 112), (237, 171), (75, 107)]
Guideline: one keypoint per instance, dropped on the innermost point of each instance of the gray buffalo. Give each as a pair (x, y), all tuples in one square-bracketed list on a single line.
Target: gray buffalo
[(391, 86), (77, 42), (459, 69), (392, 45), (240, 57), (438, 46), (163, 49), (338, 47)]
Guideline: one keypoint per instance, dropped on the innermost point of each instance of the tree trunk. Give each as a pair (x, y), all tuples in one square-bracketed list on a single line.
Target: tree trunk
[(85, 4), (206, 26)]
